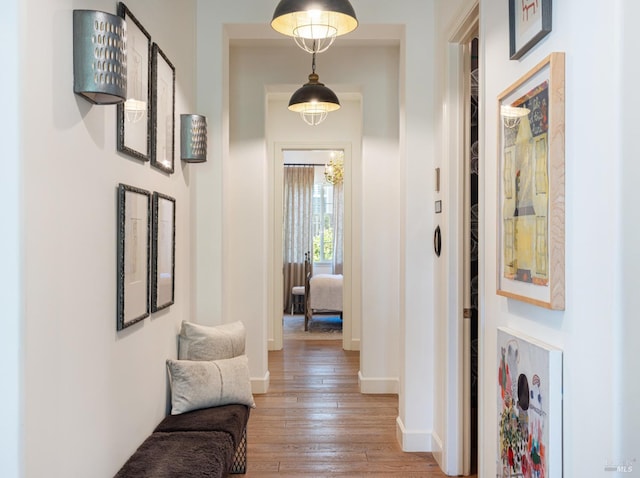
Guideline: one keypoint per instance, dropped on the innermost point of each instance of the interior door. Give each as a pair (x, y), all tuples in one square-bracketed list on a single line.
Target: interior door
[(471, 249)]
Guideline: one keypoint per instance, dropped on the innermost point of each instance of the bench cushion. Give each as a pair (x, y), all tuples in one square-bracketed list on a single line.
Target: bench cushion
[(192, 454), (231, 419)]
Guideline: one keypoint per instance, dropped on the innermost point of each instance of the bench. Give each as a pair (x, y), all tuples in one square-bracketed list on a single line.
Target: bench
[(209, 442)]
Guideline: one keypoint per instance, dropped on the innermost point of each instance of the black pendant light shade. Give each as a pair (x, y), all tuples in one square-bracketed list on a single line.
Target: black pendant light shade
[(314, 101), (309, 20)]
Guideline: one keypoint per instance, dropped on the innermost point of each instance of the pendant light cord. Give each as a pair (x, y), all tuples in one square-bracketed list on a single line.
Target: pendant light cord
[(313, 56)]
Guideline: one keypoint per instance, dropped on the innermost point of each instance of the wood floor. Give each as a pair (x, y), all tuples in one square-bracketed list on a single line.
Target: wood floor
[(315, 423)]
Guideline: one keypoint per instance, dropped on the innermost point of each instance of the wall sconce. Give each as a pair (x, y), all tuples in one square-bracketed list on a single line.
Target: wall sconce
[(193, 138), (99, 57)]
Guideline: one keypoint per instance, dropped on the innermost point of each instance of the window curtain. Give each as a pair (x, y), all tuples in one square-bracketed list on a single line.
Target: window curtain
[(297, 239), (338, 227)]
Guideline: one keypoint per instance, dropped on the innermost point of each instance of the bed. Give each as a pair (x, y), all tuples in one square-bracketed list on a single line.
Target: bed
[(324, 295)]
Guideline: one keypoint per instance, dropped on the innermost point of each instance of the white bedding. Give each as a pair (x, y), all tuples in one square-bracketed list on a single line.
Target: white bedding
[(325, 292)]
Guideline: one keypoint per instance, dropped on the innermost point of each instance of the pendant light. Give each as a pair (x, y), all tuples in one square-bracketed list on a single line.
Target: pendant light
[(314, 24), (313, 100)]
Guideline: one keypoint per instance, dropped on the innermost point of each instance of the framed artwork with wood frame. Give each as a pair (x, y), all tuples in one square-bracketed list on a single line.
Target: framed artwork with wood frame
[(531, 175)]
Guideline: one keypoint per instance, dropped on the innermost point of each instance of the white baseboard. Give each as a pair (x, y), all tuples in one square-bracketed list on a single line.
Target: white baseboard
[(436, 445), (378, 385), (355, 344), (415, 440), (260, 385)]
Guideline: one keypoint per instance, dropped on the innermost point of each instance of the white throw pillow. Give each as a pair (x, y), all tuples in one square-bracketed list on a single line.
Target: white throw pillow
[(201, 342), (204, 384)]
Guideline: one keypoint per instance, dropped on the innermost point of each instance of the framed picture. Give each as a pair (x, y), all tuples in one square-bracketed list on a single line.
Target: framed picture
[(529, 407), (134, 233), (163, 251), (163, 80), (529, 22), (531, 187), (134, 116)]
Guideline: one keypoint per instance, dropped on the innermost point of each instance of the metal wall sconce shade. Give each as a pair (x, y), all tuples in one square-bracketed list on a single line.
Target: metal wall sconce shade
[(314, 24), (99, 57), (193, 138)]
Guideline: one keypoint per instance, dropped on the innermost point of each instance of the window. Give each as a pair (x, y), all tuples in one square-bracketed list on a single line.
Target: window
[(322, 219)]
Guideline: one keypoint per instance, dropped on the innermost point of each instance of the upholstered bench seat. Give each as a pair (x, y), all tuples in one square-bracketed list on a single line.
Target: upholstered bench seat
[(210, 442), (297, 299)]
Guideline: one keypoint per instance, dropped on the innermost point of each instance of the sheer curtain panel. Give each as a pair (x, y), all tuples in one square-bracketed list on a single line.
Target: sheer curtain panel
[(338, 227), (297, 240)]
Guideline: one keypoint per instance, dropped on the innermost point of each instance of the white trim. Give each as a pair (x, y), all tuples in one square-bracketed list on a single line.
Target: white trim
[(260, 385), (378, 385), (355, 344), (436, 449), (12, 293), (352, 270), (453, 446), (413, 441)]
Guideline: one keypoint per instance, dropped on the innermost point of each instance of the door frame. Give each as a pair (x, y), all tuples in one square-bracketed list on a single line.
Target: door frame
[(350, 270), (456, 452)]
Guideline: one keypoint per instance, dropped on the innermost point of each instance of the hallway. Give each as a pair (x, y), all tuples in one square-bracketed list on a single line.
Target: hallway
[(314, 422)]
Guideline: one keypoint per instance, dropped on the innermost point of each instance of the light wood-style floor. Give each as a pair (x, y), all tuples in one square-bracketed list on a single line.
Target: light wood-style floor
[(314, 422)]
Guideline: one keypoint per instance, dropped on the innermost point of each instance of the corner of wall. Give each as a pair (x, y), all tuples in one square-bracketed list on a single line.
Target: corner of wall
[(260, 385), (379, 385), (414, 440)]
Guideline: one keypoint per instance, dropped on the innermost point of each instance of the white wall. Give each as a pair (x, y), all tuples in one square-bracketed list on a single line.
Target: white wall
[(11, 283), (586, 330), (448, 269), (238, 142), (627, 332), (91, 394)]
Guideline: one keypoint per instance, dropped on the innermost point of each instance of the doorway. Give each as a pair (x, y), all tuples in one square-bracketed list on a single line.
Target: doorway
[(471, 254), (313, 238), (460, 453), (288, 153)]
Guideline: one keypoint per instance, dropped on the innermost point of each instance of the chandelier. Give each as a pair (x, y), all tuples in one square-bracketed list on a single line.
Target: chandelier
[(334, 169)]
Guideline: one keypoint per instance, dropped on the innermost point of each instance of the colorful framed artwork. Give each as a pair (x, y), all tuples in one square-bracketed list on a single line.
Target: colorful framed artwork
[(529, 407), (529, 22), (531, 187), (163, 251), (134, 233), (163, 93), (134, 117)]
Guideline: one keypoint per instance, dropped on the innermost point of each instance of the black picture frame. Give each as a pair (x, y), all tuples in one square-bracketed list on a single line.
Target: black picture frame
[(163, 262), (134, 115), (133, 251), (529, 22), (163, 95)]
